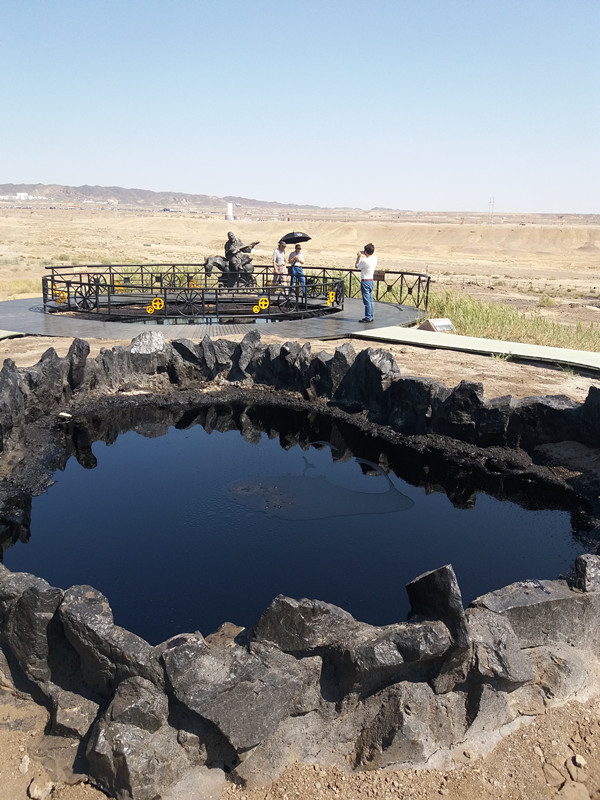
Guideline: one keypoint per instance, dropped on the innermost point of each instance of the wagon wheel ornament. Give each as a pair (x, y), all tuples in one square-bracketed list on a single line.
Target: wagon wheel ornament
[(286, 302), (189, 302), (170, 280), (339, 294), (99, 281), (85, 298), (313, 289), (245, 279)]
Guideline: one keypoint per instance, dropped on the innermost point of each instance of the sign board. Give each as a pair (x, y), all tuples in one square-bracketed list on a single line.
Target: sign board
[(439, 325)]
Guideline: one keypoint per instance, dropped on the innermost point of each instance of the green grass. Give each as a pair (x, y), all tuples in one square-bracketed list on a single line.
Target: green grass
[(499, 321)]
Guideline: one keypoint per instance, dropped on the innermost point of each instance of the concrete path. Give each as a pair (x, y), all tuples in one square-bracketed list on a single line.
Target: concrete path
[(581, 359)]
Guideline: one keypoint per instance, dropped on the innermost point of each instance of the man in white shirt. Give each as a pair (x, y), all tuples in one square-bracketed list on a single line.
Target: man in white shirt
[(279, 267), (366, 261)]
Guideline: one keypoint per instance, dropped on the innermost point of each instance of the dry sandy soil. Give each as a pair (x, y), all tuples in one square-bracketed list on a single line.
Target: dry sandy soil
[(516, 261)]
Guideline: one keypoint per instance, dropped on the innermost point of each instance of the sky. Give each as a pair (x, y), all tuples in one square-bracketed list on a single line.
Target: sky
[(422, 105)]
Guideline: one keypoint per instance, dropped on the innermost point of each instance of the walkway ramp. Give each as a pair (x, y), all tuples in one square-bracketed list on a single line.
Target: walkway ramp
[(11, 334), (580, 359)]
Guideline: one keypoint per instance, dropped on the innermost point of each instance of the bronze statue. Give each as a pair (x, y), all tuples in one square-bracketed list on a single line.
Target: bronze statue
[(236, 267), (238, 259)]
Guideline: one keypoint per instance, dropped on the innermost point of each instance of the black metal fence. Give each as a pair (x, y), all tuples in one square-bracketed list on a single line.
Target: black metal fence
[(142, 291), (391, 286), (172, 291)]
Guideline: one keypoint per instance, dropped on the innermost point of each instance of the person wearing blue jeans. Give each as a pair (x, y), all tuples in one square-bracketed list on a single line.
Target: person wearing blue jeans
[(366, 261), (296, 261)]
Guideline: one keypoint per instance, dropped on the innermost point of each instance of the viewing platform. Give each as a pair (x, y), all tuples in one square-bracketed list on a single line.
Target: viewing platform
[(120, 301)]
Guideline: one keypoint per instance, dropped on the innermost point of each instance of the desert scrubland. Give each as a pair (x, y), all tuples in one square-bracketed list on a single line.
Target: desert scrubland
[(517, 259), (543, 265)]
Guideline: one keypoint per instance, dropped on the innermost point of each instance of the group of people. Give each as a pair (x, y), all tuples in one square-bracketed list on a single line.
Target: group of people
[(366, 261), (238, 262), (295, 262)]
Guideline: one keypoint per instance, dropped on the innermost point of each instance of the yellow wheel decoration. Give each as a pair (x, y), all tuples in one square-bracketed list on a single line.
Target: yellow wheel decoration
[(256, 309), (62, 298), (158, 303), (331, 298), (263, 302), (329, 303), (192, 284), (149, 309)]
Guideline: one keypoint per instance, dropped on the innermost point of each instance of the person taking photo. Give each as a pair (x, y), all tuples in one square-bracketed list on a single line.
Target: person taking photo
[(366, 261)]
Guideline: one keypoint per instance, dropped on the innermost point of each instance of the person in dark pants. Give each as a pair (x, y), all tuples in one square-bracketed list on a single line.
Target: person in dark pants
[(296, 262), (366, 261)]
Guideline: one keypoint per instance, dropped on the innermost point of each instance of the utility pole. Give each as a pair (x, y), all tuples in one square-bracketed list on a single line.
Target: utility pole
[(491, 202)]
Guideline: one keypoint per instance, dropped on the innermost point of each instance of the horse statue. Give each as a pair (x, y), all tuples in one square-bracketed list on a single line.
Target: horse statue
[(229, 277), (236, 267)]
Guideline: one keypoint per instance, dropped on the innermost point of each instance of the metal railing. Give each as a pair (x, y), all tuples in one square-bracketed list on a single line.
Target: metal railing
[(391, 286), (141, 291), (134, 292)]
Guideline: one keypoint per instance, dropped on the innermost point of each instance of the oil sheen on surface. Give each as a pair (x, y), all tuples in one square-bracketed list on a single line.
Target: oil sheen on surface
[(186, 531)]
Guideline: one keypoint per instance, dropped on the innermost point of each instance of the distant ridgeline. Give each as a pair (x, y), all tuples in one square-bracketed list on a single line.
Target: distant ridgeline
[(116, 195), (50, 194)]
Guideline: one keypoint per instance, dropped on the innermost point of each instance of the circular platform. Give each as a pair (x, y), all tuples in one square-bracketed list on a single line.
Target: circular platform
[(27, 316)]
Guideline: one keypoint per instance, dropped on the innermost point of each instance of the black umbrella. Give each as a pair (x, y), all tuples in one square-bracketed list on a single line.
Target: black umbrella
[(295, 237)]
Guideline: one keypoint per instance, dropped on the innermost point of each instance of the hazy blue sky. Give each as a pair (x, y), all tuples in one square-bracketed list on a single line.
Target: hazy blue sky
[(410, 104)]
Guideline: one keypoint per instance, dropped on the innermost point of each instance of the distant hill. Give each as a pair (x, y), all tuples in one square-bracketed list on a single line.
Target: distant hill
[(142, 198), (50, 195)]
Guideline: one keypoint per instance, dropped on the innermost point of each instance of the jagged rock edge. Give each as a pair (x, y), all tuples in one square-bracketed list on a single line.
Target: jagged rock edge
[(323, 687)]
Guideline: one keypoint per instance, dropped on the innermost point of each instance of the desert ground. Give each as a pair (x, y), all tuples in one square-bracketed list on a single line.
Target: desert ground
[(546, 265), (516, 260), (551, 264)]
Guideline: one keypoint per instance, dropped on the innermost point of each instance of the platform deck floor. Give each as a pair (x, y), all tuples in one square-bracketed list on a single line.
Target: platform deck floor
[(27, 316)]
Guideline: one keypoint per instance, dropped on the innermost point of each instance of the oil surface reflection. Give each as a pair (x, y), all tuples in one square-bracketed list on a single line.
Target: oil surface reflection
[(193, 524)]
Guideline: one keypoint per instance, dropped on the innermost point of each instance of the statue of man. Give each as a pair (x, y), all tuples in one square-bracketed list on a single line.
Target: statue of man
[(236, 255), (233, 252)]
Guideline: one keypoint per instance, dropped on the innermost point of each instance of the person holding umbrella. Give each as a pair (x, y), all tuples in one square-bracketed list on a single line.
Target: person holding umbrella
[(296, 261), (366, 261)]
